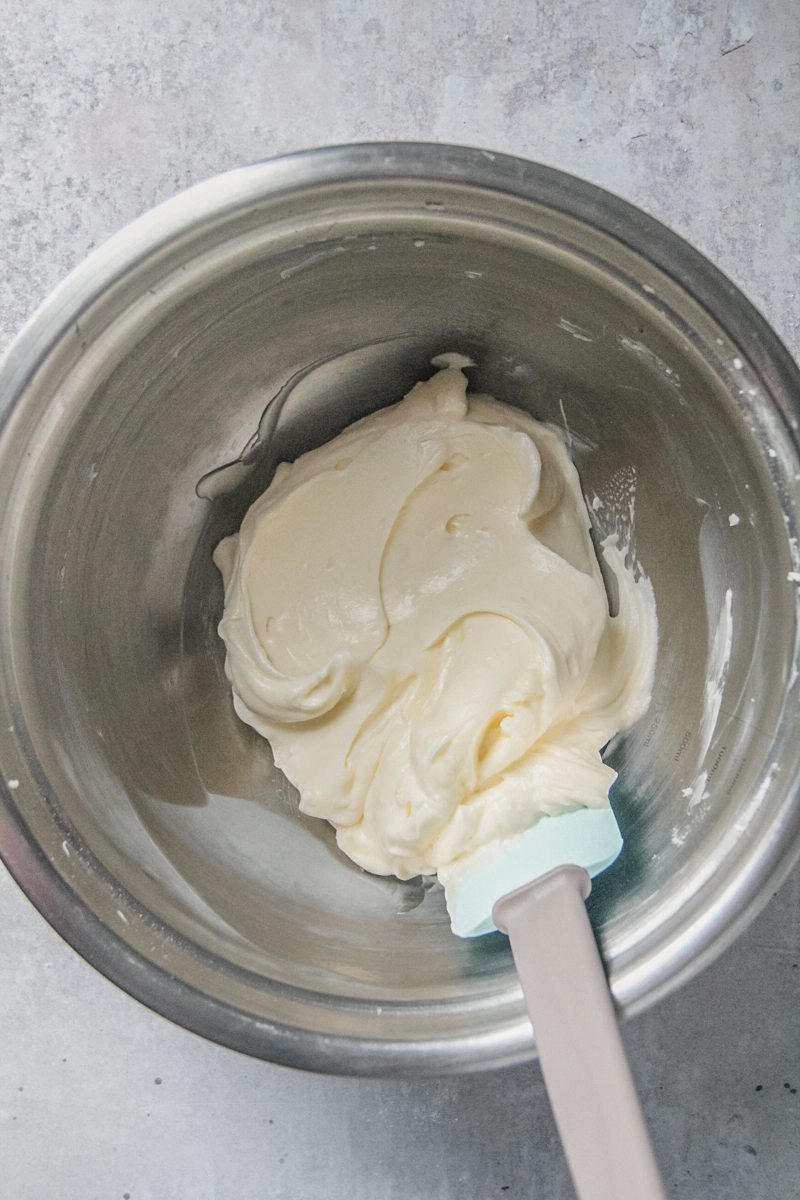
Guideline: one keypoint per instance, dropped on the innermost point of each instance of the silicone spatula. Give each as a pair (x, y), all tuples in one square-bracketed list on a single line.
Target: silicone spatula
[(533, 887)]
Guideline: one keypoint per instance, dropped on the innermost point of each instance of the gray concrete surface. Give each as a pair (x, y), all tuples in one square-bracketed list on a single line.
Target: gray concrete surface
[(691, 110)]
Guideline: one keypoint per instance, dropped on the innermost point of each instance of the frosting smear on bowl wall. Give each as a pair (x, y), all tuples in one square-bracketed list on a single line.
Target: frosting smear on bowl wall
[(416, 619)]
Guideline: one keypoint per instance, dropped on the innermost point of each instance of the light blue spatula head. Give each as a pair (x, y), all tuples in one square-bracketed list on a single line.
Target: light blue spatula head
[(588, 838)]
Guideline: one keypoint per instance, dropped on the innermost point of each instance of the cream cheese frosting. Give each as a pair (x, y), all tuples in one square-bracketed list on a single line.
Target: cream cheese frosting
[(416, 619)]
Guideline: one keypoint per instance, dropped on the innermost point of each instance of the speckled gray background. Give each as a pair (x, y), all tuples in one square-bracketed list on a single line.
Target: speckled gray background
[(691, 110)]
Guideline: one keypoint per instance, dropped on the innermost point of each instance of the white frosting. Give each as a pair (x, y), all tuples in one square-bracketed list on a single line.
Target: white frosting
[(416, 620)]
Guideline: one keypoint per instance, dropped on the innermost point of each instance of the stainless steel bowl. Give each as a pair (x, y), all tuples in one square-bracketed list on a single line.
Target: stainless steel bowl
[(142, 819)]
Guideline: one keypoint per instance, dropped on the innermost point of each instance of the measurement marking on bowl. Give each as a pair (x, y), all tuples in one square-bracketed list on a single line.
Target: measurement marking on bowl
[(735, 779), (720, 755), (682, 744)]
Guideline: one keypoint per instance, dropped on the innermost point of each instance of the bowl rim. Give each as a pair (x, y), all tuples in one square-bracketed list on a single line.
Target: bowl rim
[(436, 163)]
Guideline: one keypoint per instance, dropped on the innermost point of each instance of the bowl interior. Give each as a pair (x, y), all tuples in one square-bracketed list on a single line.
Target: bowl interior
[(165, 813)]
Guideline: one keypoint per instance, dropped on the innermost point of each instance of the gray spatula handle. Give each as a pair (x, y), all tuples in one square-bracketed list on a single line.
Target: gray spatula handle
[(588, 1080)]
